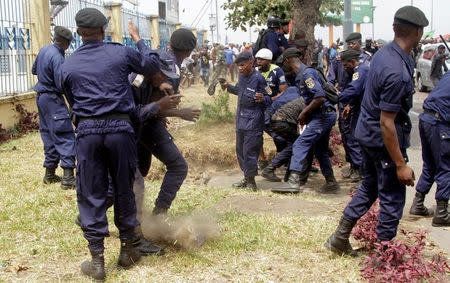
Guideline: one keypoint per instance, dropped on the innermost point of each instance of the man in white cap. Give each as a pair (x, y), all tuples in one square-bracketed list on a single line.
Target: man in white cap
[(276, 83)]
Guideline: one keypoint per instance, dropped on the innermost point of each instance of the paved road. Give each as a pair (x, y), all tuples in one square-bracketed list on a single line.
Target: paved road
[(440, 235)]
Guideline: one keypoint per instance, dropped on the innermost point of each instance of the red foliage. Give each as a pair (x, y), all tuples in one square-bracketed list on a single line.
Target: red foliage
[(397, 260), (365, 230), (335, 145), (27, 120)]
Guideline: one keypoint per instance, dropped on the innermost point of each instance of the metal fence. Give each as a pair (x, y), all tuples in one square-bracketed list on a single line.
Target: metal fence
[(16, 57), (141, 21)]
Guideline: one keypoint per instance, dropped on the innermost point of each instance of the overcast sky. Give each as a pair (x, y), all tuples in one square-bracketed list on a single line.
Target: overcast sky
[(384, 14)]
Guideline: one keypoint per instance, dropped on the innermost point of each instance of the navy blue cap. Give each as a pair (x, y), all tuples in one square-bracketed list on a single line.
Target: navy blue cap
[(167, 65), (243, 57), (353, 36), (63, 33), (291, 52), (90, 18)]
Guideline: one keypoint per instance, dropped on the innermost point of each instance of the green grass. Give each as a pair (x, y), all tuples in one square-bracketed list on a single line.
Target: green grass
[(40, 242)]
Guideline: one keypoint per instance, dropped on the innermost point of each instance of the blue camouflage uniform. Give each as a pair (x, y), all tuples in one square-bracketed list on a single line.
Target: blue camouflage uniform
[(434, 127), (55, 125), (352, 95), (338, 75), (317, 130), (96, 81), (249, 120), (389, 88)]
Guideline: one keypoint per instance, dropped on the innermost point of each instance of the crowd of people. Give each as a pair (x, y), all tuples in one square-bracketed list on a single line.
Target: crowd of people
[(119, 99)]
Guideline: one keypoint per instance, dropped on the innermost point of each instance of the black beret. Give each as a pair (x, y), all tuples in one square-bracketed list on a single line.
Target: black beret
[(63, 33), (243, 57), (353, 36), (90, 18), (301, 43), (349, 54), (183, 39), (410, 15), (291, 52)]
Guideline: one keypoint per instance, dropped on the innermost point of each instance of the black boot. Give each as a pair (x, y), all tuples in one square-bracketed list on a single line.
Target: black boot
[(251, 184), (50, 177), (68, 180), (94, 268), (269, 174), (418, 208), (339, 242), (144, 246), (159, 210), (331, 185), (442, 217), (241, 184), (292, 186), (129, 255), (262, 164)]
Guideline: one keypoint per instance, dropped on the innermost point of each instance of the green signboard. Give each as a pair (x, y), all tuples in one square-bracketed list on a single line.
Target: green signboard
[(362, 11)]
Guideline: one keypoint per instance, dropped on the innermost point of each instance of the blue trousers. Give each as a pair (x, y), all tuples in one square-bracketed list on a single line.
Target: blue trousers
[(56, 131), (103, 148), (380, 180), (287, 132), (435, 139), (351, 146), (316, 134), (156, 140), (248, 146)]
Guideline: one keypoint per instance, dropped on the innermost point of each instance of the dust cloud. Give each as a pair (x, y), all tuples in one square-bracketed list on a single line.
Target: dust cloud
[(187, 232)]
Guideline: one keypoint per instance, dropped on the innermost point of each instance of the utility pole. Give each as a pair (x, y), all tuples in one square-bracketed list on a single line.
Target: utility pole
[(217, 21), (347, 23)]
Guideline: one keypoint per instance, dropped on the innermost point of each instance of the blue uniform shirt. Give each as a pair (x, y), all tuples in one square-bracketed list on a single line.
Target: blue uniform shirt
[(353, 92), (249, 113), (439, 99), (228, 56), (389, 88), (47, 67), (283, 41), (309, 84), (337, 73), (96, 77), (272, 42)]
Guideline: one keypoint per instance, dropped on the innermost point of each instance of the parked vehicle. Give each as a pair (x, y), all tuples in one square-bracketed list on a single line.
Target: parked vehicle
[(423, 68)]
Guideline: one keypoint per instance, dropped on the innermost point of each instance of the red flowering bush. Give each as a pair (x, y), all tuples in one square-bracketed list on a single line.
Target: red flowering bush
[(397, 260)]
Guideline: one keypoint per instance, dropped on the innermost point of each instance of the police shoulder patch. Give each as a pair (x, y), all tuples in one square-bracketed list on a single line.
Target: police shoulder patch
[(310, 83), (355, 76)]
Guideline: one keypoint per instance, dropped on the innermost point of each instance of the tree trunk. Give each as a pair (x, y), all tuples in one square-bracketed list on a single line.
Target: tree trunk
[(305, 17)]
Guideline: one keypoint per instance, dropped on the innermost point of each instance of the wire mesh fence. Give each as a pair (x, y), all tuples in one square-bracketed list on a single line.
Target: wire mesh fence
[(16, 57)]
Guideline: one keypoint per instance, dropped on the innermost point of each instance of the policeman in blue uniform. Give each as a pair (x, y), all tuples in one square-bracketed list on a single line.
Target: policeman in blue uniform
[(270, 37), (383, 130), (154, 139), (252, 101), (55, 126), (317, 118), (350, 100), (95, 78), (434, 127), (337, 75)]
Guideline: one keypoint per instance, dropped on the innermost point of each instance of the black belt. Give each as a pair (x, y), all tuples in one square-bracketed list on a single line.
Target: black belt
[(109, 116), (433, 113)]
